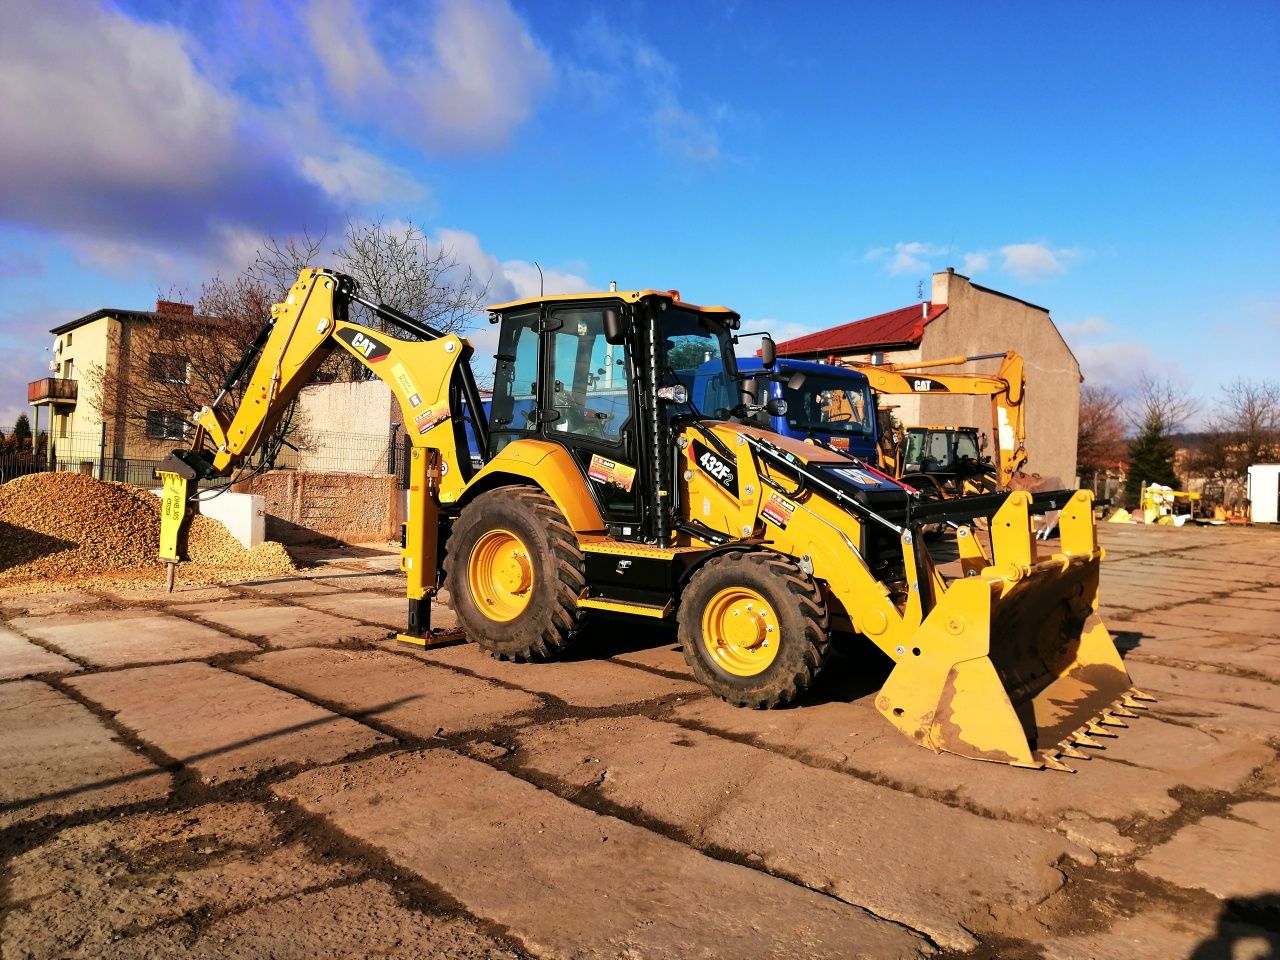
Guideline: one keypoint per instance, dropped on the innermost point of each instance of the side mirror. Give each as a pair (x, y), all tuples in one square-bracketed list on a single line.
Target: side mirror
[(776, 407), (795, 381), (768, 352), (614, 332), (749, 386)]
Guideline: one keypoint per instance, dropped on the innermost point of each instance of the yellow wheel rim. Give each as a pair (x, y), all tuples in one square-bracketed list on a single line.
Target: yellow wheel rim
[(740, 631), (500, 575)]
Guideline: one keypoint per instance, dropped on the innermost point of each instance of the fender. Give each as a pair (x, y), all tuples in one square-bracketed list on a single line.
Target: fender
[(548, 466)]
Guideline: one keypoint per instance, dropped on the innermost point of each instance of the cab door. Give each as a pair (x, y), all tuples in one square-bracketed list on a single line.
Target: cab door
[(588, 407)]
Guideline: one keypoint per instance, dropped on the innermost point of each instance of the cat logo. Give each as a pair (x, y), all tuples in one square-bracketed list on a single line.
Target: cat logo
[(925, 385), (721, 472), (368, 347)]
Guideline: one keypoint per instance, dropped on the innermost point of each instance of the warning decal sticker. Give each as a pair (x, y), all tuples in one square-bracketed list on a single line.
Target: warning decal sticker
[(431, 417), (406, 384), (616, 474), (778, 510)]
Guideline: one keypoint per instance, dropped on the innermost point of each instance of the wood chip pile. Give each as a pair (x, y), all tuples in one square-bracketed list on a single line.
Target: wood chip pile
[(67, 525)]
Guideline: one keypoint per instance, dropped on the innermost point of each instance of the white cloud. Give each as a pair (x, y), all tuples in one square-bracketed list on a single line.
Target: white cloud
[(650, 85), (463, 79), (1035, 261), (906, 257), (113, 136), (1119, 364), (351, 175), (975, 263), (1092, 326)]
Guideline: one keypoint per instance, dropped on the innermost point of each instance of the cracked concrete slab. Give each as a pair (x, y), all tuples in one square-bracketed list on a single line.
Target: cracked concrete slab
[(866, 844), (589, 885), (579, 683), (223, 725), (19, 657), (58, 758), (1236, 855), (114, 639), (403, 693), (281, 626)]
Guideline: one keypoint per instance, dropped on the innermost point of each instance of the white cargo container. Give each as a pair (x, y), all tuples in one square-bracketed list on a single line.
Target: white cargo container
[(1264, 492)]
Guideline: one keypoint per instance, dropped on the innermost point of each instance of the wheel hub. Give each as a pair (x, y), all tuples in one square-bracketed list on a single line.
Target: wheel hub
[(500, 575), (740, 631)]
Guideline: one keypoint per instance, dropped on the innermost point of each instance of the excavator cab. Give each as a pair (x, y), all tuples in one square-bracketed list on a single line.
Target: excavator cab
[(602, 378)]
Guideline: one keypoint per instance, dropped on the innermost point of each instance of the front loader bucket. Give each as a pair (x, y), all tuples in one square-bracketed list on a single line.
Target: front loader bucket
[(1014, 664)]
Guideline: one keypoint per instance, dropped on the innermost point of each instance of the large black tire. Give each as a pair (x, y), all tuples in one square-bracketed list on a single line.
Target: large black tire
[(550, 619), (802, 633)]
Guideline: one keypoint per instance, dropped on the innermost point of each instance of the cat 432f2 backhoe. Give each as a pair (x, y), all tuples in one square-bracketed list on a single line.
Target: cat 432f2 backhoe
[(603, 490)]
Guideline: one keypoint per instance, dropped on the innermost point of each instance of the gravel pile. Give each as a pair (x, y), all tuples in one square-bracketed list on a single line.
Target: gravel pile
[(67, 525)]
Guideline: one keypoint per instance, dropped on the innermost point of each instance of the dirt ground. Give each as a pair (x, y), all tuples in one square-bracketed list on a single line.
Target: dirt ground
[(257, 770)]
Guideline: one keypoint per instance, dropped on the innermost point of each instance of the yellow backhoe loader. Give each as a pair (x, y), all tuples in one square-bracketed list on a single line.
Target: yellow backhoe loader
[(950, 458), (605, 487)]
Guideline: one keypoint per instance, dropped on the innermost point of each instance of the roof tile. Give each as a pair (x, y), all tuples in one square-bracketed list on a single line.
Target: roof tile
[(895, 328)]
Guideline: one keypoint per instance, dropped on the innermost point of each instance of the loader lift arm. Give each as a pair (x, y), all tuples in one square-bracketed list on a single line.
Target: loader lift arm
[(1006, 388), (429, 376)]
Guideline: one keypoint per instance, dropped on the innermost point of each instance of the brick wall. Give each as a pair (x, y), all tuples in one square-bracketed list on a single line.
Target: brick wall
[(302, 505)]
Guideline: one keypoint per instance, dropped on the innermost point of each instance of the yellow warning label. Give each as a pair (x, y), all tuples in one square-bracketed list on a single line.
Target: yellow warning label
[(405, 382)]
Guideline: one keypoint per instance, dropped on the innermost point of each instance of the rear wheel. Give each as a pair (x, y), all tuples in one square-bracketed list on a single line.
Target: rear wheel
[(754, 627), (514, 572)]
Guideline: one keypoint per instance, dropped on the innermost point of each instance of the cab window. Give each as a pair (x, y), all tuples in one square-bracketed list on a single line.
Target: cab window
[(589, 386)]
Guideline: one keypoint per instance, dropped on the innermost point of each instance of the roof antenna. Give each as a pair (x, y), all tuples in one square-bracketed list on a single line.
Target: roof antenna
[(919, 289), (542, 292)]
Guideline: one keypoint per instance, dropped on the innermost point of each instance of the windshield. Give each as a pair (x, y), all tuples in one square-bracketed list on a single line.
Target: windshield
[(698, 352), (830, 404), (932, 450)]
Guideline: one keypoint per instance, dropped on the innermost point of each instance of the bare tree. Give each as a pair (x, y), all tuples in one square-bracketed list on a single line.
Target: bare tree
[(1100, 437), (399, 266), (1161, 401), (1243, 429)]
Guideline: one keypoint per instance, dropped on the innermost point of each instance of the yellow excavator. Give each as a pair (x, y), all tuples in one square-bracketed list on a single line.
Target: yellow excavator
[(949, 460), (603, 486)]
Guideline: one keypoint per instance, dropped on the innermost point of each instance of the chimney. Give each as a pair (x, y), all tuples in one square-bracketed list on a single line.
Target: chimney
[(172, 307), (924, 309)]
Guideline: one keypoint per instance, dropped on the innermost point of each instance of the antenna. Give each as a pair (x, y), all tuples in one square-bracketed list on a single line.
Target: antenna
[(919, 289), (542, 291)]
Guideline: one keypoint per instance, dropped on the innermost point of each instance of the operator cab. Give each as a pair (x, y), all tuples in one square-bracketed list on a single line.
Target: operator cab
[(604, 375), (833, 405)]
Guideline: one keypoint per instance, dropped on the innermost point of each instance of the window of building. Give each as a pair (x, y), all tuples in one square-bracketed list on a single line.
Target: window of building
[(68, 366), (165, 425), (68, 343), (169, 369)]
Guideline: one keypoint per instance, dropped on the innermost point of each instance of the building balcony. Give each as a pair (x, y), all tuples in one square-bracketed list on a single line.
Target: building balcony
[(51, 390)]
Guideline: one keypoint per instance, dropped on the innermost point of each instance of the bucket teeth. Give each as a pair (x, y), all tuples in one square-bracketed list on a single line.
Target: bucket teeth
[(1139, 695), (1132, 704), (1084, 740), (1122, 712), (1096, 729), (1053, 763), (1067, 750), (1110, 720)]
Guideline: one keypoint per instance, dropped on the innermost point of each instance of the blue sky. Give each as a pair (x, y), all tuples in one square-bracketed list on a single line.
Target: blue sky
[(806, 164)]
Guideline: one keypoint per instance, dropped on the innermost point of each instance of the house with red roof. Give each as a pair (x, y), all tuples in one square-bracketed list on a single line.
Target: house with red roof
[(962, 318)]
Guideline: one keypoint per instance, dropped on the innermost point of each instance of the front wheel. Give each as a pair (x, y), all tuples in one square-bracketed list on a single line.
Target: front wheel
[(754, 627), (514, 572)]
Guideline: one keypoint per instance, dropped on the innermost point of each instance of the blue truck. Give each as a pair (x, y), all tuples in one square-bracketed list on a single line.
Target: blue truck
[(833, 405)]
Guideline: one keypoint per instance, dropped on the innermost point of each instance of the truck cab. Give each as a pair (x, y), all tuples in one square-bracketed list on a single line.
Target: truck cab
[(833, 405)]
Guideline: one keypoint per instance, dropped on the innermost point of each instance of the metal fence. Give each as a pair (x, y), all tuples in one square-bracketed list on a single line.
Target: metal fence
[(377, 454)]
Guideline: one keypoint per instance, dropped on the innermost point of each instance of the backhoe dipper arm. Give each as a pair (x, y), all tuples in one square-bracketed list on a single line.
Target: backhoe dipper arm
[(430, 378), (1006, 388)]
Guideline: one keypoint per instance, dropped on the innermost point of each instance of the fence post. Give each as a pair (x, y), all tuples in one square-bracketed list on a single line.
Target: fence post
[(391, 449), (102, 452)]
